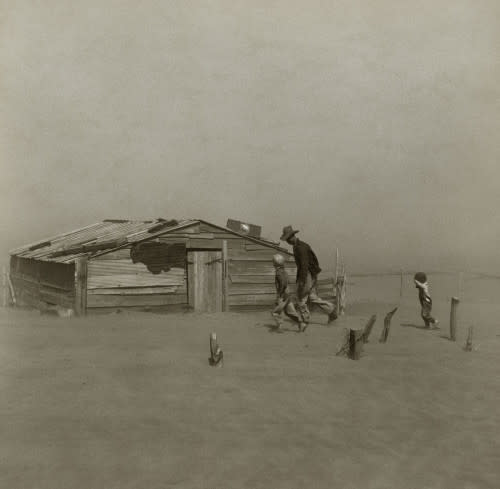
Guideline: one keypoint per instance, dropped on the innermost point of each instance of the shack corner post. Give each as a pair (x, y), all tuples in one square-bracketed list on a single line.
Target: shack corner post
[(81, 286), (9, 293), (225, 277)]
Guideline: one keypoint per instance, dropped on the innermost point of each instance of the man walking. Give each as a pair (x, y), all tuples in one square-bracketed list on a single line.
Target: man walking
[(307, 275)]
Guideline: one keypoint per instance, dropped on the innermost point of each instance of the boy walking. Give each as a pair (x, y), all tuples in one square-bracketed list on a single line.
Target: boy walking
[(283, 299), (421, 284)]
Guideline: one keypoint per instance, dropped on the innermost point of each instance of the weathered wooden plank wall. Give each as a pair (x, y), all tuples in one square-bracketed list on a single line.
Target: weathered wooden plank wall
[(115, 282), (36, 281)]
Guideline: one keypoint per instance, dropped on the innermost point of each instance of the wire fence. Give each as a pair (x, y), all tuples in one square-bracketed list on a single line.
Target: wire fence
[(399, 287)]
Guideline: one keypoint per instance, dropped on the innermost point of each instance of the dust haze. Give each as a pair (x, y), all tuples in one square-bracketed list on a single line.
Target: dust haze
[(372, 126)]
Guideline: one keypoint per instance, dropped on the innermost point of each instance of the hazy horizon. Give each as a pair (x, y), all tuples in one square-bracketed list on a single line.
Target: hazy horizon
[(369, 128)]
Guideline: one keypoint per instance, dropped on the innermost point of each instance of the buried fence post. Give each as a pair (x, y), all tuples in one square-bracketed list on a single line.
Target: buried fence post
[(468, 343), (216, 355), (453, 318), (387, 325), (353, 344), (401, 284), (368, 328)]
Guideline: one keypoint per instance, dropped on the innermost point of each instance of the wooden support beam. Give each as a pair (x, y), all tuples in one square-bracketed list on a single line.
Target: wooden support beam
[(81, 286), (225, 277), (387, 325), (453, 318), (368, 328)]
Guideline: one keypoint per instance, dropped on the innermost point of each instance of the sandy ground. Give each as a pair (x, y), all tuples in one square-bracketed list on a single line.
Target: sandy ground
[(129, 401)]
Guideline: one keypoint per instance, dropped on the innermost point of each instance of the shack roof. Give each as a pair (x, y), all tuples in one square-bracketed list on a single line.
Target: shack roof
[(110, 234)]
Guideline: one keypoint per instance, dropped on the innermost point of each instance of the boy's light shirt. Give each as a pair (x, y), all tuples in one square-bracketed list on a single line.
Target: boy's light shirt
[(424, 286)]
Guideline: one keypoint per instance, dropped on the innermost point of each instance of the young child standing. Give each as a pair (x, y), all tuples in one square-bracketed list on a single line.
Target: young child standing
[(283, 299), (421, 284)]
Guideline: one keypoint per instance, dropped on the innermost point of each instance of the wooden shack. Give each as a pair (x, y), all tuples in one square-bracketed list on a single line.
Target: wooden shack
[(150, 265)]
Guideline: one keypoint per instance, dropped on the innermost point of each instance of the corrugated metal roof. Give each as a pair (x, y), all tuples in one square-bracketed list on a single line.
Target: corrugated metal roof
[(106, 236), (58, 248)]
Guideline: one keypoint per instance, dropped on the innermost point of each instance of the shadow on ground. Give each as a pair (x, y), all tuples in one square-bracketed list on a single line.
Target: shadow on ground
[(285, 328), (416, 326)]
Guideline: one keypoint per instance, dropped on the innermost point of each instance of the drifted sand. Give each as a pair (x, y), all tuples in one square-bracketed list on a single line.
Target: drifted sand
[(129, 401)]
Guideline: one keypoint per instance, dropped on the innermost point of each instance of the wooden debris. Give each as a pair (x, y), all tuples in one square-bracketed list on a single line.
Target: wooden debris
[(387, 325), (453, 318), (468, 343), (368, 328), (216, 355)]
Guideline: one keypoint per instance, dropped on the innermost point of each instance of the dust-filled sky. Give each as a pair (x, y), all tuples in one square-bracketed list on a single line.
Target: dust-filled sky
[(368, 125)]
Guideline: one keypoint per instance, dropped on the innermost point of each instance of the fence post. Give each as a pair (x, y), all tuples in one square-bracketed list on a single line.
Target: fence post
[(368, 328), (401, 284), (453, 318), (468, 343), (336, 264), (338, 295), (387, 325), (460, 285)]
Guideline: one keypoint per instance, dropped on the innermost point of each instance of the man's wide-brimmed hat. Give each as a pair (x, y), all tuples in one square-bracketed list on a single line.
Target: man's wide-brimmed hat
[(288, 232)]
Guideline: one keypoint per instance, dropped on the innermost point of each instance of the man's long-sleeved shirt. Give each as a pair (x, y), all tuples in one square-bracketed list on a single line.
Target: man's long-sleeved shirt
[(306, 261)]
